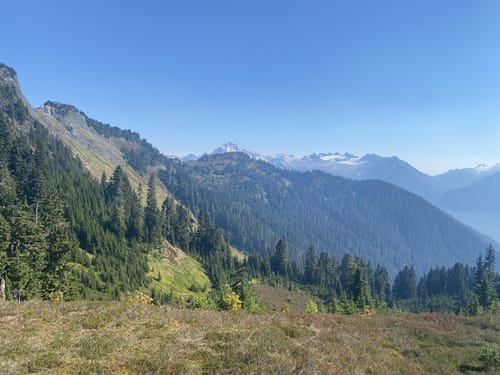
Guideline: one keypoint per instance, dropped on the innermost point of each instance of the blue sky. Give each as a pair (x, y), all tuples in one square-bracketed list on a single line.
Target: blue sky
[(416, 79)]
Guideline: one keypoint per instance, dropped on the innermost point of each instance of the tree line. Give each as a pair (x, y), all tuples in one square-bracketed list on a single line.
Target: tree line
[(349, 284)]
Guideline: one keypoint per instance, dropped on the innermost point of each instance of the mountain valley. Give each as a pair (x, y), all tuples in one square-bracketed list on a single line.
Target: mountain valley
[(474, 188), (92, 211)]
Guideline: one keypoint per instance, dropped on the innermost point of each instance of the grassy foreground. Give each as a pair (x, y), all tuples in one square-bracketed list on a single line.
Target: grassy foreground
[(125, 338)]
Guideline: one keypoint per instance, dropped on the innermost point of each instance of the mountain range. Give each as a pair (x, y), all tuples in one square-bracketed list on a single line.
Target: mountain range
[(469, 194), (256, 202)]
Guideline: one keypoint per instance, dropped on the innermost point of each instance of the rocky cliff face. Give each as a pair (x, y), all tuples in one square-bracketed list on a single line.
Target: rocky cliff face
[(69, 124), (10, 90), (13, 104), (65, 113)]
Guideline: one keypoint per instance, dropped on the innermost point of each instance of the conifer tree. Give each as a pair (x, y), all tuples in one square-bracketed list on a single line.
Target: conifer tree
[(310, 266), (360, 292), (405, 284), (181, 228), (484, 278), (60, 244), (27, 253), (168, 215), (380, 283), (117, 191), (489, 263), (348, 267), (4, 244), (279, 259), (152, 224)]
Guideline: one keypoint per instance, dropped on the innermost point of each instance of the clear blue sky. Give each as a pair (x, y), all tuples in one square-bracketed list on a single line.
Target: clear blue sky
[(416, 79)]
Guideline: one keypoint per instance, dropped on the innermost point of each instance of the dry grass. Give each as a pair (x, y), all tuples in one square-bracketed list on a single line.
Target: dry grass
[(123, 338), (280, 299)]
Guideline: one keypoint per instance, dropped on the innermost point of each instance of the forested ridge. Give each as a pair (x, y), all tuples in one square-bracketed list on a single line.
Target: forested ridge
[(256, 203), (65, 234)]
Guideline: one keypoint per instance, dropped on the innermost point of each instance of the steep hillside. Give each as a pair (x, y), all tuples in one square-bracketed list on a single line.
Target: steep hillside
[(63, 232), (101, 147), (257, 203), (55, 233)]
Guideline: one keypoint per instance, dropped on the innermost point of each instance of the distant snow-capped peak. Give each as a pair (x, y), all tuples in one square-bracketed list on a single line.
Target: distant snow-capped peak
[(228, 147), (337, 157), (233, 147), (344, 164), (224, 149), (287, 161)]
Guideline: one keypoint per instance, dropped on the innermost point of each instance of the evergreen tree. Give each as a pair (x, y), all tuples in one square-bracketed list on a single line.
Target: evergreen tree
[(27, 254), (152, 223), (347, 269), (117, 193), (484, 279), (405, 284), (169, 220), (182, 228), (360, 292), (4, 244), (135, 223), (326, 272), (310, 266), (279, 258), (380, 284), (5, 139), (456, 285), (489, 263), (60, 243), (8, 191), (478, 273)]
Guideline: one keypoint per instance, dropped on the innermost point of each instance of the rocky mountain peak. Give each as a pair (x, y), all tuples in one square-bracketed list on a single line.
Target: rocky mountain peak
[(7, 74), (10, 90), (67, 114), (56, 108)]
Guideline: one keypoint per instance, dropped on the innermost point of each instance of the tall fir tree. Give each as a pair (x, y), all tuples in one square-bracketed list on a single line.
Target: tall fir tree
[(152, 224), (310, 266), (405, 284), (279, 258)]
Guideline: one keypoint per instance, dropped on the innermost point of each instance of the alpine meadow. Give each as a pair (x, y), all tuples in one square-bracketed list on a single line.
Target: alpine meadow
[(224, 187)]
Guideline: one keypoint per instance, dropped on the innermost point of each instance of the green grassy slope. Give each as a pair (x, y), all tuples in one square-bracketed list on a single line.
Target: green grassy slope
[(102, 338), (173, 271)]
